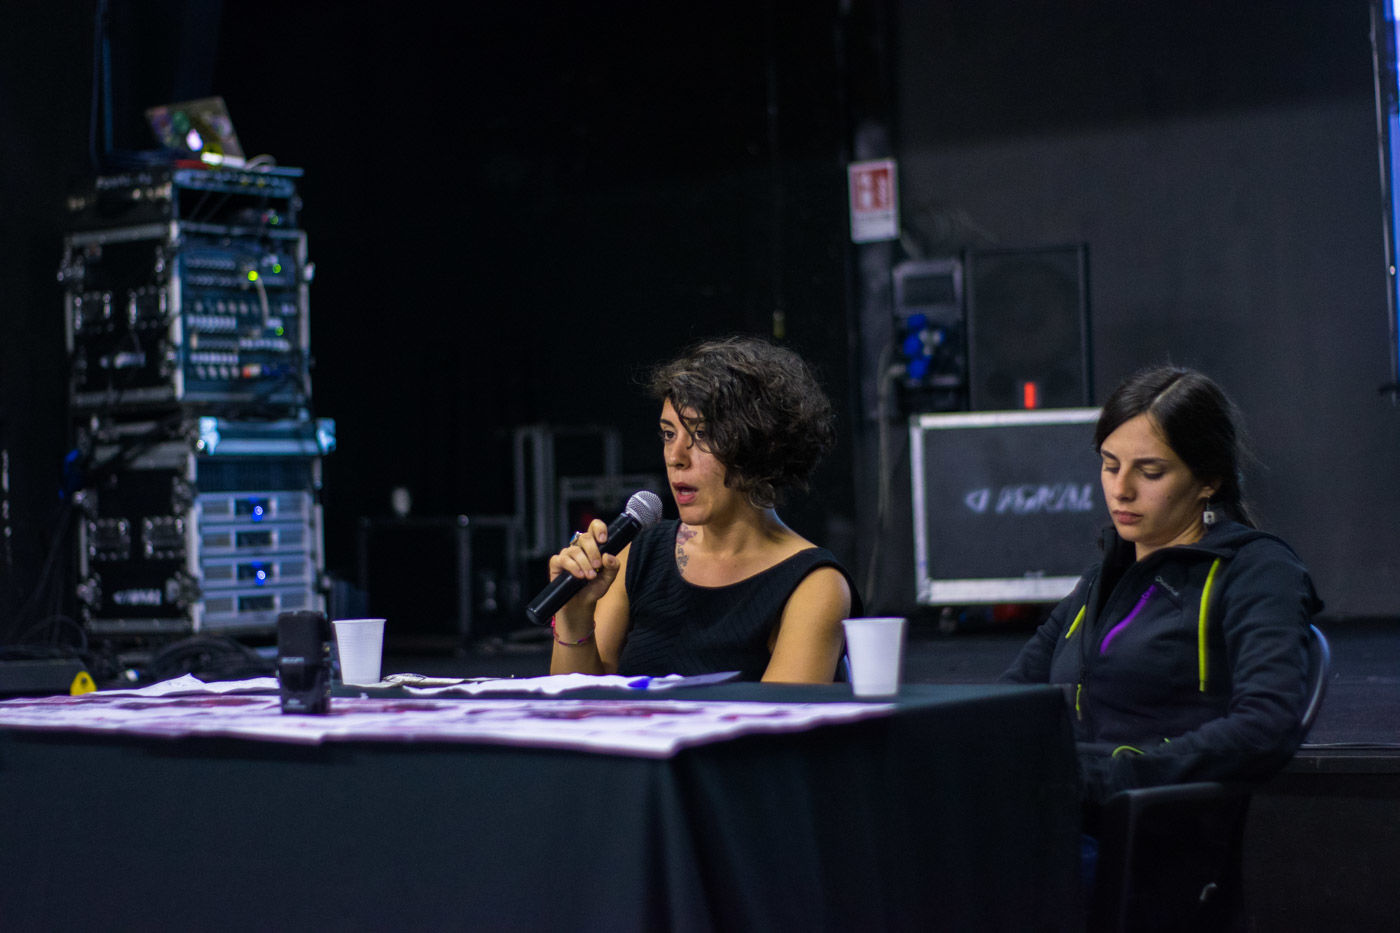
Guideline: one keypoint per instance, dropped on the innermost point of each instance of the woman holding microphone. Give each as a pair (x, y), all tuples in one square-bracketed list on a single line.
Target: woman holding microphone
[(727, 586)]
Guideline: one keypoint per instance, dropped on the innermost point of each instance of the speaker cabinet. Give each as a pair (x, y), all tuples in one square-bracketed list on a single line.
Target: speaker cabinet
[(1028, 328)]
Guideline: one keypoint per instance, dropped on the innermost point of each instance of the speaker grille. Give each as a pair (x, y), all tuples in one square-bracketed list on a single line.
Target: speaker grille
[(1028, 322)]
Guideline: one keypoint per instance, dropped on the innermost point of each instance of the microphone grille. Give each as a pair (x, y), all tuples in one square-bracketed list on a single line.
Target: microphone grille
[(645, 507)]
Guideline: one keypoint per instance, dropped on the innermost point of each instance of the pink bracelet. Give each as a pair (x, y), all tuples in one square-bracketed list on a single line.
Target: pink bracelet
[(568, 644)]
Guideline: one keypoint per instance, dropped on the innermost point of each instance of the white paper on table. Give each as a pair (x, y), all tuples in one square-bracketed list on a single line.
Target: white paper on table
[(559, 683), (424, 685), (191, 685), (638, 725)]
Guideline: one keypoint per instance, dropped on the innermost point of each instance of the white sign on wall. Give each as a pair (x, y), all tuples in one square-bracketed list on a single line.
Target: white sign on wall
[(874, 197)]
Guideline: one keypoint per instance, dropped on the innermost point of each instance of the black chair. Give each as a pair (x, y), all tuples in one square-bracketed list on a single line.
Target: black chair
[(1170, 858)]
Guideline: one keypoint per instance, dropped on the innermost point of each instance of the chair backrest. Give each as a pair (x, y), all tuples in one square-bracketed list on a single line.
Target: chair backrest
[(1185, 862), (1319, 664)]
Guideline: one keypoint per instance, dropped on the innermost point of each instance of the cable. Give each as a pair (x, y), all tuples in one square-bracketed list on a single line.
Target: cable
[(36, 596), (78, 477), (100, 136), (55, 624), (100, 86), (886, 375), (209, 657)]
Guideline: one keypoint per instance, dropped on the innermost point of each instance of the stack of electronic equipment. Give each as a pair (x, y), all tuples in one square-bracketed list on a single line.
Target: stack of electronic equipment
[(197, 456)]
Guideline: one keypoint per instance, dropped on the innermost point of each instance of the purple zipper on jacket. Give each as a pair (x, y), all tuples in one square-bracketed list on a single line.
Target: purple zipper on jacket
[(1128, 620)]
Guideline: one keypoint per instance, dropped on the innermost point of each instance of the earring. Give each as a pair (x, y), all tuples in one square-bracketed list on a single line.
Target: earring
[(1209, 516)]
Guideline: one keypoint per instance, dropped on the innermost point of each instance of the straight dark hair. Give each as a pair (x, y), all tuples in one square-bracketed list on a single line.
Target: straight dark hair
[(1196, 419)]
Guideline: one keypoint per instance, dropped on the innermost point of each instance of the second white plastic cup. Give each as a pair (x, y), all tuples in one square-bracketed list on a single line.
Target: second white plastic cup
[(360, 644), (875, 650)]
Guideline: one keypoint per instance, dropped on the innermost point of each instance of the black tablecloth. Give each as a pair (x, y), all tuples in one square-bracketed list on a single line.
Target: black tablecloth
[(956, 812)]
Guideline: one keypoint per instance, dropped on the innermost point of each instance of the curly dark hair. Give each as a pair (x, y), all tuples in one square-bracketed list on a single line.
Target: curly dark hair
[(766, 418)]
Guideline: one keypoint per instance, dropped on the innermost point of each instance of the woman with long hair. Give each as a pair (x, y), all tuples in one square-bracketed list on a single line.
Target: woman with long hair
[(1185, 650)]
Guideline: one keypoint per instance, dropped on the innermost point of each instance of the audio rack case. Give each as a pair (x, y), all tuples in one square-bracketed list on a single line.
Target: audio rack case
[(259, 198), (188, 314), (212, 526)]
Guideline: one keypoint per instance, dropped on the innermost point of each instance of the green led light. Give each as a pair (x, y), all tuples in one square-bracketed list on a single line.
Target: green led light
[(281, 331), (276, 268), (252, 275)]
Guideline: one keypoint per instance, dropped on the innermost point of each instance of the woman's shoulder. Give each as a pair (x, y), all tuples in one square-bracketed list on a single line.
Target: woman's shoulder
[(790, 558), (795, 550), (1261, 563), (818, 568), (1251, 545)]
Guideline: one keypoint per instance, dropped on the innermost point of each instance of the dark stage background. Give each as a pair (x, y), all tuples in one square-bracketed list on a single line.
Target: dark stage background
[(515, 209)]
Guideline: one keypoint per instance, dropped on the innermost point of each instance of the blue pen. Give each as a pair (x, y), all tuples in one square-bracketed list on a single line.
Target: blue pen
[(641, 683)]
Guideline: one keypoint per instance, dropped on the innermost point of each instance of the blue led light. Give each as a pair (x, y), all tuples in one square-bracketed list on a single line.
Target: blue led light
[(325, 434), (208, 434)]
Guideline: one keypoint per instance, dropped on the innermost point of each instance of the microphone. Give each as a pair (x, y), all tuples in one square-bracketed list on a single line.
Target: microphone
[(643, 509)]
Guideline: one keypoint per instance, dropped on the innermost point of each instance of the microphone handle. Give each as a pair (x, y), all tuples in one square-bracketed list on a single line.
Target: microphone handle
[(566, 586)]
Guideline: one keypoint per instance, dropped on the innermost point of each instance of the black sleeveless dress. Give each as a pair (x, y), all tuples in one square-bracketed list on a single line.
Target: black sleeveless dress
[(680, 628)]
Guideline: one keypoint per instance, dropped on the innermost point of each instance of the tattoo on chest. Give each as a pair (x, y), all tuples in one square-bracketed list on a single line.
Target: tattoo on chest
[(682, 537)]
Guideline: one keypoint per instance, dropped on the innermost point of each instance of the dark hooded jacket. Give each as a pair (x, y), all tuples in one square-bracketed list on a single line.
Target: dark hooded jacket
[(1190, 665)]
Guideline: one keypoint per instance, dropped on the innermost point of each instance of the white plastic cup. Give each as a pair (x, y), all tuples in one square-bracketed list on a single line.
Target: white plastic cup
[(360, 644), (875, 651)]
